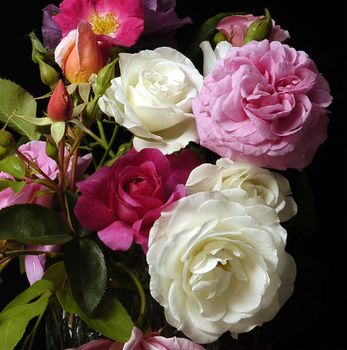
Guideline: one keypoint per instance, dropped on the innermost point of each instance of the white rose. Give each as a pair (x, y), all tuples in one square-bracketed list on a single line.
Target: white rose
[(272, 187), (153, 98), (217, 263)]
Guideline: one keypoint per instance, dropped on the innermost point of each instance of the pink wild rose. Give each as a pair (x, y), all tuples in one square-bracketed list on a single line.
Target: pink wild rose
[(264, 103), (123, 201), (235, 29), (34, 193), (114, 22)]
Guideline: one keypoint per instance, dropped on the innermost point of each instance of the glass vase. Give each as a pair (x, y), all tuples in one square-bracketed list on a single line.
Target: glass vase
[(64, 330)]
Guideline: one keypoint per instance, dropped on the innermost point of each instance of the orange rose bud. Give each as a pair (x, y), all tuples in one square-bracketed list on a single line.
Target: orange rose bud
[(79, 54), (60, 104)]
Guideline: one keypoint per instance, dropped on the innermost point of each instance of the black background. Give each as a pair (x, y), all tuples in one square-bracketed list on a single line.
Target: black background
[(315, 317)]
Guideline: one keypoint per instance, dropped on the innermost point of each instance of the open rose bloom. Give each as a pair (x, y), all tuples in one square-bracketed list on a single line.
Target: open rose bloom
[(153, 201), (263, 103)]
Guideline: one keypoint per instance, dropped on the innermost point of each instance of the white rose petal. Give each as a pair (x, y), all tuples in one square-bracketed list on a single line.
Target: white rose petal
[(217, 266), (153, 98), (273, 188), (212, 56)]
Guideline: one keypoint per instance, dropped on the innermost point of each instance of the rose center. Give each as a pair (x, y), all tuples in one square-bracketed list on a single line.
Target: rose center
[(103, 23), (134, 185)]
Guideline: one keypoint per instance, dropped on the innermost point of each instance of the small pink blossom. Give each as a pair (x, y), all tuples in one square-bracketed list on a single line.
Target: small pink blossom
[(123, 201), (235, 29), (113, 22), (264, 103), (35, 193)]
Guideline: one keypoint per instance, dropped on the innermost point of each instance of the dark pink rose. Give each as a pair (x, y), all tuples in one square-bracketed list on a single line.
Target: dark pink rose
[(235, 29), (123, 201), (263, 103)]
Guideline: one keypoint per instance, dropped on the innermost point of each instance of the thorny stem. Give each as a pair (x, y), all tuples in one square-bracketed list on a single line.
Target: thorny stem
[(35, 167), (13, 253)]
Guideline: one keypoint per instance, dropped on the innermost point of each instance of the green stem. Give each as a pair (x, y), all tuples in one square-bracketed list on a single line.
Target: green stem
[(105, 144), (140, 290), (35, 167), (102, 132), (34, 331), (12, 253), (56, 322), (108, 149)]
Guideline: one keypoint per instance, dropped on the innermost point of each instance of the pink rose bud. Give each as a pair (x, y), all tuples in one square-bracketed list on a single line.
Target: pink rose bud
[(79, 54), (235, 28), (60, 104)]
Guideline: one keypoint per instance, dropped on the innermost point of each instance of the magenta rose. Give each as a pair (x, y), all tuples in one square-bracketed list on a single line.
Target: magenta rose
[(235, 29), (264, 103), (123, 201)]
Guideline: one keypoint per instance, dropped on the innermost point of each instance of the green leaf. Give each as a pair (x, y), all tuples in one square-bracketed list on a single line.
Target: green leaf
[(206, 32), (15, 100), (56, 274), (84, 91), (33, 292), (14, 166), (112, 319), (14, 320), (36, 121), (32, 223), (86, 269), (58, 131), (16, 186), (78, 109)]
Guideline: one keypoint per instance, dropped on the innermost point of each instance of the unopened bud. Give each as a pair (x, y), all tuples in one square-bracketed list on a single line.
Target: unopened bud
[(260, 29), (7, 144), (51, 149), (219, 36), (38, 50), (60, 105), (104, 77), (49, 76)]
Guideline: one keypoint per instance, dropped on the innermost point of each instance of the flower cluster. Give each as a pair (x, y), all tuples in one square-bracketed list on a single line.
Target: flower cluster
[(149, 198)]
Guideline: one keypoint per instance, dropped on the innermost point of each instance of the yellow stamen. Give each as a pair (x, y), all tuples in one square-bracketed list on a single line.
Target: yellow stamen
[(103, 23)]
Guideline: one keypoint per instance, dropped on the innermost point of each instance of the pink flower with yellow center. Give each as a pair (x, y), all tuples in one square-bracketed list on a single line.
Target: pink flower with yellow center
[(116, 22)]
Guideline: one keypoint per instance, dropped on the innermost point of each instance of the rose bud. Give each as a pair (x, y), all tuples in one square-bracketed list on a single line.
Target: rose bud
[(49, 76), (79, 54), (60, 104), (7, 144)]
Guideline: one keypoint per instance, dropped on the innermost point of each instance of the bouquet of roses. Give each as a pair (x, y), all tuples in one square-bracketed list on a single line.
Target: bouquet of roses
[(148, 199)]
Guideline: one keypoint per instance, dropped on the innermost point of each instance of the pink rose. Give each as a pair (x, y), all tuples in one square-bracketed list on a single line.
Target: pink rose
[(235, 29), (32, 193), (153, 341), (118, 23), (137, 341), (263, 103), (122, 202)]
